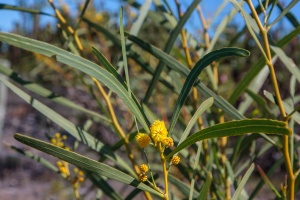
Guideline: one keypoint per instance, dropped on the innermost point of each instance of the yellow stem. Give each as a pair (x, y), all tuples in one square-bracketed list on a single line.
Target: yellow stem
[(120, 131), (264, 33), (205, 32), (165, 171), (65, 26), (76, 192)]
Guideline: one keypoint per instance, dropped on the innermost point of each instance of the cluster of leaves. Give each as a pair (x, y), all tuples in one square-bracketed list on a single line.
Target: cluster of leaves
[(210, 165)]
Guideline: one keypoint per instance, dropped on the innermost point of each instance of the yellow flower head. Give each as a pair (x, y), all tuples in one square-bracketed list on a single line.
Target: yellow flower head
[(53, 141), (80, 179), (143, 177), (175, 160), (168, 142), (142, 139), (144, 168), (76, 170), (158, 131)]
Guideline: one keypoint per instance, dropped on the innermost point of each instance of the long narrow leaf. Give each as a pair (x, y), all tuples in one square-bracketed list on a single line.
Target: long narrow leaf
[(38, 89), (79, 63), (193, 75), (182, 186), (234, 128), (284, 12), (169, 45), (205, 188), (22, 9), (255, 68), (243, 183), (251, 25), (289, 109), (108, 66), (75, 131), (184, 71), (288, 62), (36, 158), (84, 162), (203, 107)]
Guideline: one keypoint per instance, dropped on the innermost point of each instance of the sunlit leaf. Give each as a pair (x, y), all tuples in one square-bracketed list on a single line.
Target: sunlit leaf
[(235, 128)]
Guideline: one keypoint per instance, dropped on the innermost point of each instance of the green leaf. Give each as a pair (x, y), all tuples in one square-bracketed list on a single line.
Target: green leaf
[(36, 158), (267, 181), (79, 63), (289, 109), (50, 95), (102, 184), (196, 164), (260, 102), (124, 52), (103, 30), (193, 75), (241, 186), (235, 128), (184, 71), (205, 188), (83, 10), (284, 12), (203, 107), (143, 11), (288, 62), (22, 9), (185, 189), (169, 45), (84, 162), (255, 68), (132, 54), (251, 25), (75, 131), (289, 16), (270, 172), (108, 66)]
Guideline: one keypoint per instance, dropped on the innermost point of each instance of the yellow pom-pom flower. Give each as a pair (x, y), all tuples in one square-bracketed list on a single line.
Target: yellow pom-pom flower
[(144, 168), (53, 141), (142, 139), (158, 131), (175, 160), (143, 177), (168, 142)]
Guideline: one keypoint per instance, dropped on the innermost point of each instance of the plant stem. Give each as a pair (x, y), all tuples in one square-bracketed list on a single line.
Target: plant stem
[(165, 171), (287, 159), (120, 131)]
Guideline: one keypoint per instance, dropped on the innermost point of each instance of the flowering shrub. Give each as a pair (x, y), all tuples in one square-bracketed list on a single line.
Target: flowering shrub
[(207, 143)]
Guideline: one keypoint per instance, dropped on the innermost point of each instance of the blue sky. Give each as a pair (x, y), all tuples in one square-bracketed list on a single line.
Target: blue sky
[(9, 18)]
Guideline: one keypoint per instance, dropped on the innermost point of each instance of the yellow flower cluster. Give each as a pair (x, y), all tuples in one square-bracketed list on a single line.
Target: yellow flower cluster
[(168, 142), (142, 139), (57, 140), (143, 177), (175, 160), (158, 134), (79, 178), (144, 168), (63, 168), (158, 131)]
